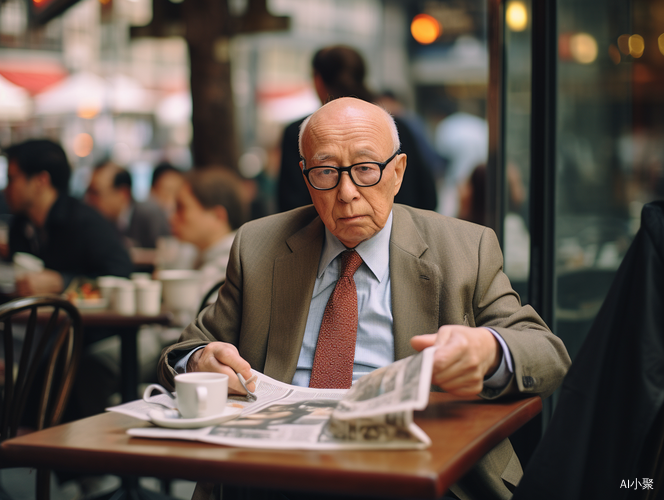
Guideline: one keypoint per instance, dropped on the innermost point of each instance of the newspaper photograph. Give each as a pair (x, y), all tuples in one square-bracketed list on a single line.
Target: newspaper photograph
[(376, 412)]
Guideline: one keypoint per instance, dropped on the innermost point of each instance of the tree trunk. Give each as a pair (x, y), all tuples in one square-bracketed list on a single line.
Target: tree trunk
[(207, 34)]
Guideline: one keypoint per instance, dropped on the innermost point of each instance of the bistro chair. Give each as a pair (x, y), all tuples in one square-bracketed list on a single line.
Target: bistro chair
[(45, 333)]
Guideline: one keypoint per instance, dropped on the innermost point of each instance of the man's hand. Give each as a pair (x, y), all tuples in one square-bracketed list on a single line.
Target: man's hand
[(463, 358), (221, 357), (46, 281)]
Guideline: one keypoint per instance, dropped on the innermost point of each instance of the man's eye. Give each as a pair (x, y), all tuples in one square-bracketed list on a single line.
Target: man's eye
[(327, 171), (364, 168)]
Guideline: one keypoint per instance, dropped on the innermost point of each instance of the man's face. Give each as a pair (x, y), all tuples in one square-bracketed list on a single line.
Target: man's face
[(342, 133), (191, 221), (21, 191), (103, 196), (166, 188)]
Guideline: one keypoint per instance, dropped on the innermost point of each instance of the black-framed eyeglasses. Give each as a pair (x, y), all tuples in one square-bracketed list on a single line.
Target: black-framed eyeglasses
[(365, 174)]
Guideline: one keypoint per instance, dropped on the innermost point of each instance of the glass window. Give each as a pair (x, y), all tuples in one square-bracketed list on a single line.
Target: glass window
[(609, 147)]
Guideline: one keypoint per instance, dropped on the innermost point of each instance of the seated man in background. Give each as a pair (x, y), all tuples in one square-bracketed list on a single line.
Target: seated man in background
[(166, 182), (140, 223), (209, 209), (71, 238), (421, 279)]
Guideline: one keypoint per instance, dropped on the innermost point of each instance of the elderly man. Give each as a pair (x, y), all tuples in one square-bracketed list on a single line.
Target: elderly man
[(423, 279)]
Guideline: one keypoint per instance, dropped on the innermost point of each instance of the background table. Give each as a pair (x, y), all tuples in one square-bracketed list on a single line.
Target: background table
[(100, 324), (462, 430), (126, 327)]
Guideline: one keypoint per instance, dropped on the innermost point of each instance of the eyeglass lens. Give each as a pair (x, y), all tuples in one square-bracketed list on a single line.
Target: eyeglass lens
[(364, 174)]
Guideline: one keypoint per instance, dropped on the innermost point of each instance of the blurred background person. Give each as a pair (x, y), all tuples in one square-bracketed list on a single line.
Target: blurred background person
[(210, 207), (339, 71), (140, 223), (463, 139), (166, 181), (434, 162), (69, 237)]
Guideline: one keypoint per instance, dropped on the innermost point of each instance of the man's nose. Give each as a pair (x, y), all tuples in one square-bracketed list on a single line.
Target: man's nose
[(347, 189)]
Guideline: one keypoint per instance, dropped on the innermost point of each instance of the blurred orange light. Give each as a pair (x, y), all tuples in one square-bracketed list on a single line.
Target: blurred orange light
[(583, 48), (623, 44), (636, 45), (516, 16), (425, 29), (660, 42), (614, 54), (83, 145)]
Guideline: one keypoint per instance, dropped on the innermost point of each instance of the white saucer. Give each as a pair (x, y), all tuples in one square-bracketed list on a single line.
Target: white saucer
[(171, 419)]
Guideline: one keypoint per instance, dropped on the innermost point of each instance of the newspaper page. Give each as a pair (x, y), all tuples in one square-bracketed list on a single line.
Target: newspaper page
[(376, 412)]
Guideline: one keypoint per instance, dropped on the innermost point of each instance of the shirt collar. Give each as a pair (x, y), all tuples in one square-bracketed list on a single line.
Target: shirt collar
[(375, 251)]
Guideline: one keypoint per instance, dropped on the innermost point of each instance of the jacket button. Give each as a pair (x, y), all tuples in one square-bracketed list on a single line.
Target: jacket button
[(528, 382)]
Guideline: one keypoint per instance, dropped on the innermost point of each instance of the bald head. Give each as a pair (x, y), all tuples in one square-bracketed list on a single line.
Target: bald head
[(346, 133), (338, 109)]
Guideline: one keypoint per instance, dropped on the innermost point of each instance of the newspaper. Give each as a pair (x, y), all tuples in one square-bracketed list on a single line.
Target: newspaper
[(376, 412)]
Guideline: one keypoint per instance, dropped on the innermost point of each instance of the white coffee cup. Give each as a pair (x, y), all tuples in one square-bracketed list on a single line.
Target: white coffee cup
[(124, 298), (199, 394), (106, 286), (138, 277), (148, 297)]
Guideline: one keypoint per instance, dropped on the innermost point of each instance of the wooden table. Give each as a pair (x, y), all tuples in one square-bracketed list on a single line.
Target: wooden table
[(462, 430)]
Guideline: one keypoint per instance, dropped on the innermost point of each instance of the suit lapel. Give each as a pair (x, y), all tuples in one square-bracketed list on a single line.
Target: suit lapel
[(292, 288), (415, 284)]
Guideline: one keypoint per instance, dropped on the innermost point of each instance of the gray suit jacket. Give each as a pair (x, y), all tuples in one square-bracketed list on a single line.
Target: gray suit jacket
[(443, 271)]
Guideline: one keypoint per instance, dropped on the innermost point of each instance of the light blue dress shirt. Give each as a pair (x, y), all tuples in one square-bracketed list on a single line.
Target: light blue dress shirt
[(375, 342), (375, 339)]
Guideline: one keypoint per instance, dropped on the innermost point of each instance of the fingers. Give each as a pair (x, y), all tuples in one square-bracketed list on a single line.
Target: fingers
[(221, 357), (463, 358), (421, 342)]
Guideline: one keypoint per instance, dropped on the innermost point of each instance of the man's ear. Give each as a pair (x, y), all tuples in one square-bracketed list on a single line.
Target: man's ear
[(321, 89), (220, 213), (126, 193), (43, 178), (399, 170)]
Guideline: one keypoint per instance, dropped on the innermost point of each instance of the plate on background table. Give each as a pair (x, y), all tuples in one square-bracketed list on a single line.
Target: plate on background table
[(173, 420)]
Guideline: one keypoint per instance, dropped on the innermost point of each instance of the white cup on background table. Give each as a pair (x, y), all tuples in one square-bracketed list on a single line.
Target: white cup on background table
[(124, 297), (148, 297)]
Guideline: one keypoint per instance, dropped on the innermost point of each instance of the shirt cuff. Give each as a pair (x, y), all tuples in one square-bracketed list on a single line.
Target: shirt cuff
[(502, 375), (180, 365)]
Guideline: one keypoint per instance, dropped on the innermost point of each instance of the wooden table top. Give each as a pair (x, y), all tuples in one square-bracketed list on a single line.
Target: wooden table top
[(113, 319), (106, 318), (462, 430)]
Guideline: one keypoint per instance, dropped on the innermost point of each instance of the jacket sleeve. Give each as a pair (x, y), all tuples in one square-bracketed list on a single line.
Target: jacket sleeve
[(540, 358), (220, 321)]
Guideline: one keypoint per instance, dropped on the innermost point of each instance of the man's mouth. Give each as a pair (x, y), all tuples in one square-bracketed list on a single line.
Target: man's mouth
[(351, 218)]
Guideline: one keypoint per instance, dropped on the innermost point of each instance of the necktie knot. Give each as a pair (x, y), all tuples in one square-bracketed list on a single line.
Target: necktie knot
[(350, 262)]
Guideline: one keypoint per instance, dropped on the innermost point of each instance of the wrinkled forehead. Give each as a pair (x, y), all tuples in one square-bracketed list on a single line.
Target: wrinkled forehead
[(365, 128)]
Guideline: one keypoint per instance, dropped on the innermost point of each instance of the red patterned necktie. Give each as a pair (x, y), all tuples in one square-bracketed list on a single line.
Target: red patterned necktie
[(335, 350)]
